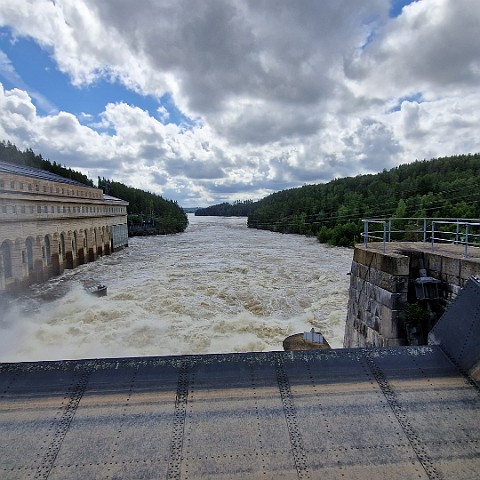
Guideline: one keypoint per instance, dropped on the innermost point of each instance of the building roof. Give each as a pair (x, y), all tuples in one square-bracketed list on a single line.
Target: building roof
[(109, 198), (37, 173)]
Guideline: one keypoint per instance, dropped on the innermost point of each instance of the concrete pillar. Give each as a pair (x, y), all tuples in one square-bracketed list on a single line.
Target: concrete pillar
[(56, 266)]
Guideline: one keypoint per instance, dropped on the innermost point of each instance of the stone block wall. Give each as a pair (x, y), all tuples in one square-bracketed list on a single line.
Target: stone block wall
[(453, 272), (378, 294), (379, 290)]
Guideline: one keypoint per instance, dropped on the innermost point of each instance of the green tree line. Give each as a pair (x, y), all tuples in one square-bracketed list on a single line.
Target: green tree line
[(447, 187), (145, 208), (236, 209)]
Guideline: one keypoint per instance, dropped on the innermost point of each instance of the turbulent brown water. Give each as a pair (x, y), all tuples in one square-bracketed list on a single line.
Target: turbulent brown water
[(219, 287)]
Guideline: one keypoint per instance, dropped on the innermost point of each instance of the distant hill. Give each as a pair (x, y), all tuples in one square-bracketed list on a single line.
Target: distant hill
[(157, 214), (236, 209)]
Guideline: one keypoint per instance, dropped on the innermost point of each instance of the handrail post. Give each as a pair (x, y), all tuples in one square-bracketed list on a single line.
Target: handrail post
[(433, 236), (445, 233), (466, 240), (365, 233), (384, 236)]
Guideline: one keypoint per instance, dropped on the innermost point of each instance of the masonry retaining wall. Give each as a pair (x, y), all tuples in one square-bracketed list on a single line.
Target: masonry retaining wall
[(381, 288)]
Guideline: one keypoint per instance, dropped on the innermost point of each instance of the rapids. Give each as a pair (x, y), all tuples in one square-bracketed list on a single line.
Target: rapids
[(218, 287)]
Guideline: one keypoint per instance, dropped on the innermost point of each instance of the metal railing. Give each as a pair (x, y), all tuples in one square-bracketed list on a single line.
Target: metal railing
[(458, 231)]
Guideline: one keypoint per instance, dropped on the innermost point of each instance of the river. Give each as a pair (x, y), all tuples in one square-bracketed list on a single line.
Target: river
[(218, 287)]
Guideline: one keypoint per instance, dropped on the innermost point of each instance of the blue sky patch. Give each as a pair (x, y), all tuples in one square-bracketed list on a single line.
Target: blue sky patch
[(397, 5), (415, 98), (32, 68), (175, 115)]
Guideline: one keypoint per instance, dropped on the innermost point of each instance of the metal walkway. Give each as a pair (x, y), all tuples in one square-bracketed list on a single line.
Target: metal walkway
[(400, 413)]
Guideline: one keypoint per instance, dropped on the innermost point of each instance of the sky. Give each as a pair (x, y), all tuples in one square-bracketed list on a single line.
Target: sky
[(209, 101)]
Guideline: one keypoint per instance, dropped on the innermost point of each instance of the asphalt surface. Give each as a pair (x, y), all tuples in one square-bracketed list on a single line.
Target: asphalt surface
[(398, 413)]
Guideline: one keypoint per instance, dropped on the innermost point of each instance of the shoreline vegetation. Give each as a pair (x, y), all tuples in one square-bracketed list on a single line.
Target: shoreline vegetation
[(333, 211)]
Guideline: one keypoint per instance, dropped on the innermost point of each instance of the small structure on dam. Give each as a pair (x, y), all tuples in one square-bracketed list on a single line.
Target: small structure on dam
[(311, 340)]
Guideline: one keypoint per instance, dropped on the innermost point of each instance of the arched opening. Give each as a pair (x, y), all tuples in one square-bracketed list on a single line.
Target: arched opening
[(29, 247), (6, 253), (74, 244), (48, 250), (61, 246)]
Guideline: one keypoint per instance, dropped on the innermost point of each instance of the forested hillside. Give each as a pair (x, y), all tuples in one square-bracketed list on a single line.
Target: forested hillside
[(443, 187), (145, 208), (236, 209)]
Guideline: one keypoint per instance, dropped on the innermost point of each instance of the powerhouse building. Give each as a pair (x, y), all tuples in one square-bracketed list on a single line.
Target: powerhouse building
[(49, 223)]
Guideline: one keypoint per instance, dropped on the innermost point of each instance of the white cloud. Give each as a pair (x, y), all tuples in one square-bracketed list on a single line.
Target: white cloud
[(433, 47), (284, 92), (442, 127)]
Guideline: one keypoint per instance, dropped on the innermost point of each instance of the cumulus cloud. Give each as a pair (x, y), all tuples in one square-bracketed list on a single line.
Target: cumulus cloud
[(432, 47), (282, 93)]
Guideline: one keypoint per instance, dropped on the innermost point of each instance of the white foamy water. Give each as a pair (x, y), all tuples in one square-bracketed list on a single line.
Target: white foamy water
[(219, 287)]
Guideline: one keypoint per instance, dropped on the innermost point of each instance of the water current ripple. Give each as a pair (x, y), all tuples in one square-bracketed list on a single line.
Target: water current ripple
[(219, 287)]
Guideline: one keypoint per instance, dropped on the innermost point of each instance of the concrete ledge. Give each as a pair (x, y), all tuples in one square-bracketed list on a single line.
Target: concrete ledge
[(392, 263), (387, 281)]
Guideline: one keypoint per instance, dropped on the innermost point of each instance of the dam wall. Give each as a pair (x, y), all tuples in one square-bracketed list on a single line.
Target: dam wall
[(384, 304)]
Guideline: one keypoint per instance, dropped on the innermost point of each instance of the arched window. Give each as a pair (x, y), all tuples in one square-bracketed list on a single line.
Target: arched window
[(7, 259), (29, 247)]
